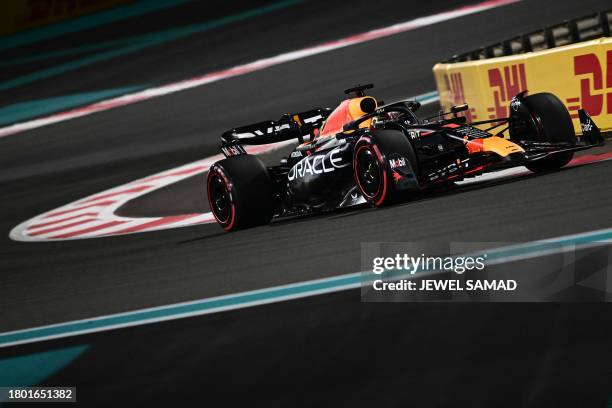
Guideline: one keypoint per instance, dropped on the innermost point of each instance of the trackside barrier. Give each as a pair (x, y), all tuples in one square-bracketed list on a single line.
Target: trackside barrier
[(579, 74)]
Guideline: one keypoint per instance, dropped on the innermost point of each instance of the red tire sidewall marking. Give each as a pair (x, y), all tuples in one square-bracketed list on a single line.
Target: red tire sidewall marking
[(365, 143), (217, 171), (372, 196), (381, 162)]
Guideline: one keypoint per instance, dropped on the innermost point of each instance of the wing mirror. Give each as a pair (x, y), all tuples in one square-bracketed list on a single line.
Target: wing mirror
[(459, 108)]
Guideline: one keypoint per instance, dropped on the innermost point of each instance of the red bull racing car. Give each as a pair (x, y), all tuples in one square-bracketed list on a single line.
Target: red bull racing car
[(366, 150)]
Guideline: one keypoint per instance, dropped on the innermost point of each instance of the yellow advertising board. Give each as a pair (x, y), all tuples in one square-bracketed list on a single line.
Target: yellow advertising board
[(18, 15), (579, 74)]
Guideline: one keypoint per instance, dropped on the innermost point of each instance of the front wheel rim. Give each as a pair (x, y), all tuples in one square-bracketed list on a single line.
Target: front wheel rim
[(368, 172), (220, 200)]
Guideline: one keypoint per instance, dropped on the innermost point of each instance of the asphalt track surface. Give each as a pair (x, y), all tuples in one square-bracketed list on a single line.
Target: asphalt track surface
[(296, 352)]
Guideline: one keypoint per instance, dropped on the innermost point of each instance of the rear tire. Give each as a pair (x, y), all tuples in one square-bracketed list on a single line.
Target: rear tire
[(550, 122), (240, 192), (376, 180)]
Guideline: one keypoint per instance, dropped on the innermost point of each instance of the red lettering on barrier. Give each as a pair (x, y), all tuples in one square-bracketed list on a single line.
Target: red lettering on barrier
[(592, 90), (588, 64), (455, 87), (609, 79), (513, 81)]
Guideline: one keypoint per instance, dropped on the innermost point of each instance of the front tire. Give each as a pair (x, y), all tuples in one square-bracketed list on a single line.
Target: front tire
[(384, 167), (550, 122), (240, 192)]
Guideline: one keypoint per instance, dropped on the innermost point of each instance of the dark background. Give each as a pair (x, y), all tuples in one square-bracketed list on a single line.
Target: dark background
[(330, 349)]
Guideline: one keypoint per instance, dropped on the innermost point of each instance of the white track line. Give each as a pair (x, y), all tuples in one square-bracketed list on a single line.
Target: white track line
[(240, 300), (252, 67), (63, 228), (105, 221), (99, 209)]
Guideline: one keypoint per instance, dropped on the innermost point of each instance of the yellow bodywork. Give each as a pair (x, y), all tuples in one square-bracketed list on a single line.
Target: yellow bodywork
[(500, 146), (494, 144)]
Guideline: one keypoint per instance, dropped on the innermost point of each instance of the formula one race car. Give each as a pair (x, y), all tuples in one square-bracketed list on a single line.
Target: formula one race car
[(382, 154)]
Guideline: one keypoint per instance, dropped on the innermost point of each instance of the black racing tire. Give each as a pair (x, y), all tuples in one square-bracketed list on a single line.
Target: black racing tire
[(240, 192), (553, 124), (374, 177)]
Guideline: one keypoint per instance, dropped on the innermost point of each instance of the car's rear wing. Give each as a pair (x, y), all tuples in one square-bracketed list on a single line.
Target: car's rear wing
[(288, 127)]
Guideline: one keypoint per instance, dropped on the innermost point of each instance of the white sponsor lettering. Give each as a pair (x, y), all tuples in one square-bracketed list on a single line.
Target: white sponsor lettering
[(313, 119), (307, 167), (400, 162), (316, 165), (586, 127), (515, 104), (327, 169), (258, 132), (335, 160)]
